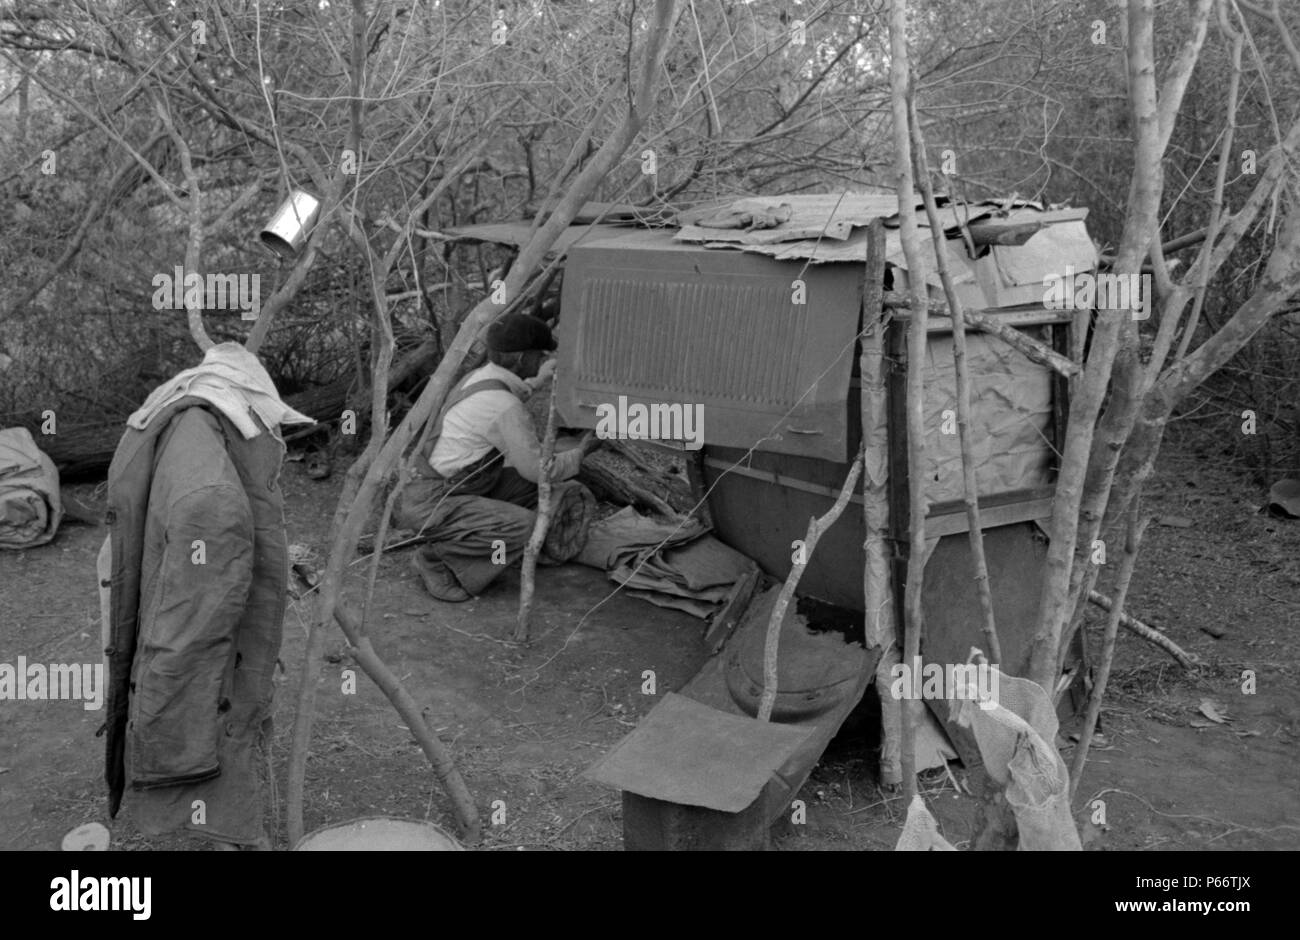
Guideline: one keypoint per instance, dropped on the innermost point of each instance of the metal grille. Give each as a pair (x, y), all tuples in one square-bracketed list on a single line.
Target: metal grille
[(701, 340)]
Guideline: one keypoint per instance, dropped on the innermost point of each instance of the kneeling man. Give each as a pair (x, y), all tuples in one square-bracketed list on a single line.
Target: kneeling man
[(475, 488)]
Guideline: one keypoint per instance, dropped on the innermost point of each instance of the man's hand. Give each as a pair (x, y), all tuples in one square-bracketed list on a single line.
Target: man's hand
[(544, 374), (586, 443)]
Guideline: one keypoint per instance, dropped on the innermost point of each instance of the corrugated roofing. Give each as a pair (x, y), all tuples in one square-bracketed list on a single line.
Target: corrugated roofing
[(831, 227)]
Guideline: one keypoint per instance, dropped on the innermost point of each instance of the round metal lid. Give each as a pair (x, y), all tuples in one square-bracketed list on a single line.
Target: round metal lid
[(819, 660)]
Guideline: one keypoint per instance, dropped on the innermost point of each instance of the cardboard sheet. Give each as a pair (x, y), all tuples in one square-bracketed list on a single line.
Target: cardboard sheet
[(685, 752)]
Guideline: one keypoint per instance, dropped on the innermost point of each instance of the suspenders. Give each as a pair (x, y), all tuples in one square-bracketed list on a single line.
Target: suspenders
[(421, 462), (486, 385)]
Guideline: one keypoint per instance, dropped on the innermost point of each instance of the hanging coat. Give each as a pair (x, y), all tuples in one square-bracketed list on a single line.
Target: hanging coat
[(199, 562)]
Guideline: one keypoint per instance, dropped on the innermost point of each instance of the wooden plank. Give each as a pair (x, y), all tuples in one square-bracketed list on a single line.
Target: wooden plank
[(1035, 317), (1026, 495), (990, 518), (733, 610), (1003, 232), (1062, 340), (877, 578), (940, 322), (777, 479), (996, 509), (899, 505)]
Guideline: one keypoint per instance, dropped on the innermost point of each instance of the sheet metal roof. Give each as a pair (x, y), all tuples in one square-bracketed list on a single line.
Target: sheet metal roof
[(831, 227)]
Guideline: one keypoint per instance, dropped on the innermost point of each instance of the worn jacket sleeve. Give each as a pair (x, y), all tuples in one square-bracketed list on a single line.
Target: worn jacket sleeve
[(514, 435)]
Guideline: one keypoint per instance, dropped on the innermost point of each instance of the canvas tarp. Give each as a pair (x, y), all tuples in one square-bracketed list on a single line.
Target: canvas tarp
[(670, 564), (30, 509)]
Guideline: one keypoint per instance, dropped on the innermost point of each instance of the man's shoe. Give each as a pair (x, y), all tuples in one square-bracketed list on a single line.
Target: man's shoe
[(438, 580)]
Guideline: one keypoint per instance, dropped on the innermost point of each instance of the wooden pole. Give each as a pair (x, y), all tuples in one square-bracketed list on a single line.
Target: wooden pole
[(1031, 348), (877, 573), (900, 83), (877, 584), (1145, 631)]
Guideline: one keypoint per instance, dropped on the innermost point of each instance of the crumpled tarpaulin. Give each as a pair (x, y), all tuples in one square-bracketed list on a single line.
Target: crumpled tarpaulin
[(627, 533), (748, 214), (671, 564), (30, 509), (1016, 739), (921, 832)]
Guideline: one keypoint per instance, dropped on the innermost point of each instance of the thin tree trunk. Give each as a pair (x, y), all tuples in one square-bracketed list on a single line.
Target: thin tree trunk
[(528, 571), (377, 463), (962, 373), (1281, 280), (361, 649), (900, 85), (1139, 227), (1128, 385), (877, 581), (1132, 543), (816, 526), (194, 240), (881, 629)]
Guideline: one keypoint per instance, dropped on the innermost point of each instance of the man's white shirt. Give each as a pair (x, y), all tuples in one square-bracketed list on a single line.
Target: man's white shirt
[(496, 419)]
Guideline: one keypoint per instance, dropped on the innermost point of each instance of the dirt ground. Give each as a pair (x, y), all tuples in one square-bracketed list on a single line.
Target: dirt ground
[(523, 722)]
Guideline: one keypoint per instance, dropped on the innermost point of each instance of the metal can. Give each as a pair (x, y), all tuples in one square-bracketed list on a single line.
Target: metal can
[(292, 223)]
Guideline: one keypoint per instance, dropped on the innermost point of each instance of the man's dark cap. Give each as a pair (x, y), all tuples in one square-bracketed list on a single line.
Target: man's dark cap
[(519, 332)]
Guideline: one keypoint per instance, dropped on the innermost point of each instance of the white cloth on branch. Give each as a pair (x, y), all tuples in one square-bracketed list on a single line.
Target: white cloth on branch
[(233, 380)]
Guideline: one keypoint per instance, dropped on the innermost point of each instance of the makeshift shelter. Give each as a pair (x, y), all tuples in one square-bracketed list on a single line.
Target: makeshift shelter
[(754, 310)]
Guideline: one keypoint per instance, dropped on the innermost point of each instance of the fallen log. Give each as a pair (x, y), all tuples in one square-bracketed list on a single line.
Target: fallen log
[(83, 450), (78, 451), (615, 479)]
